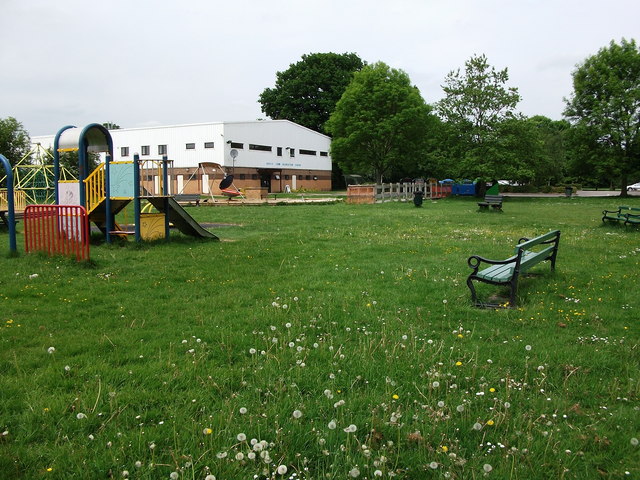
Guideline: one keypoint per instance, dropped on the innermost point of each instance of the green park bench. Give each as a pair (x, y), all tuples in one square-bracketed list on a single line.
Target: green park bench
[(492, 199), (528, 253), (627, 215), (188, 199)]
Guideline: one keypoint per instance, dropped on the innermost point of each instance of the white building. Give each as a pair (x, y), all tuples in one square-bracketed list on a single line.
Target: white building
[(271, 153)]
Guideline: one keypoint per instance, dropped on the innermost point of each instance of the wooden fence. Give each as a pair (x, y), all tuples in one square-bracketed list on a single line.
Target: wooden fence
[(395, 192)]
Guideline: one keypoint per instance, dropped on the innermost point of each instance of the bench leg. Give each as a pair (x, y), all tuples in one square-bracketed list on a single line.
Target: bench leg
[(474, 296), (514, 291)]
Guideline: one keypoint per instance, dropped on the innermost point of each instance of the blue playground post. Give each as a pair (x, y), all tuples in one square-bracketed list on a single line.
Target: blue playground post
[(10, 205)]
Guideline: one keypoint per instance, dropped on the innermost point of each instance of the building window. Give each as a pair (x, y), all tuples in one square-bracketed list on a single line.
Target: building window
[(242, 176), (287, 177), (307, 177), (262, 148), (254, 176), (237, 145), (208, 144), (324, 154), (144, 150), (292, 152), (124, 151), (190, 146), (279, 151), (162, 149), (307, 152)]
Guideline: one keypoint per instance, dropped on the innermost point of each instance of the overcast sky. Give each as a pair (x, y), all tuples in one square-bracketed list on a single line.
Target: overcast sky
[(163, 62)]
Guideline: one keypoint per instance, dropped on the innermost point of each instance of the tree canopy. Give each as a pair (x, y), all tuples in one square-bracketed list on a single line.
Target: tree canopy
[(605, 108), (307, 92), (380, 123), (476, 105), (14, 140)]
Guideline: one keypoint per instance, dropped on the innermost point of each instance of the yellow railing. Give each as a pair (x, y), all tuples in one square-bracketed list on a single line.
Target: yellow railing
[(94, 188), (19, 200)]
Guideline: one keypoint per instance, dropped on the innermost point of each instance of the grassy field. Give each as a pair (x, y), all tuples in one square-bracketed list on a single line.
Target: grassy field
[(327, 341)]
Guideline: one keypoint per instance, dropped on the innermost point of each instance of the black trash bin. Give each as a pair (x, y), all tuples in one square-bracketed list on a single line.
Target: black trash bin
[(568, 191), (418, 198)]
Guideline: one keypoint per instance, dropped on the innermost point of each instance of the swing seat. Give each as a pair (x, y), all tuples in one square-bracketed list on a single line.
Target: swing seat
[(230, 193)]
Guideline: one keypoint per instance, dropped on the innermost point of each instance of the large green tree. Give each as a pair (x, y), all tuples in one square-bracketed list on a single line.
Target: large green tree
[(380, 124), (307, 92), (476, 102), (14, 140), (605, 106)]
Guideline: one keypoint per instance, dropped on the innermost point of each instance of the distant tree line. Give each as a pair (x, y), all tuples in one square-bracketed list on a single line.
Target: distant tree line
[(382, 128)]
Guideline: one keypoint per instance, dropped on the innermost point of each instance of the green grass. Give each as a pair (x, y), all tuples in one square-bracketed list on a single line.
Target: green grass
[(348, 314)]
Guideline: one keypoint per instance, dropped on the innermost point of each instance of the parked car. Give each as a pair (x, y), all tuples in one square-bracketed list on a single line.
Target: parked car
[(635, 187)]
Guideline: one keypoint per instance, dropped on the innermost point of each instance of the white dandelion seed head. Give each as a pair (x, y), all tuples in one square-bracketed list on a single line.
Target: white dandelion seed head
[(528, 349), (460, 408), (435, 384), (210, 477), (242, 410), (138, 464), (332, 425), (174, 475), (282, 469), (239, 456), (67, 368), (351, 428), (251, 456), (297, 414), (440, 404), (433, 465), (487, 468), (477, 426), (125, 474), (634, 441), (354, 472), (81, 416), (51, 350), (241, 437)]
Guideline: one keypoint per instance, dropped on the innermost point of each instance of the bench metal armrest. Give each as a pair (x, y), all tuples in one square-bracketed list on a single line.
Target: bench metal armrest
[(604, 212), (474, 261)]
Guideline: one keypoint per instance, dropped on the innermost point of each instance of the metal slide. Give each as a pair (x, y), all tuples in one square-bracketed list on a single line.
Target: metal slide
[(180, 218)]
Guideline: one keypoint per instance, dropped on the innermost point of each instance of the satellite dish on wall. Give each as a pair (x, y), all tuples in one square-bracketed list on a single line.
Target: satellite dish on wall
[(233, 153)]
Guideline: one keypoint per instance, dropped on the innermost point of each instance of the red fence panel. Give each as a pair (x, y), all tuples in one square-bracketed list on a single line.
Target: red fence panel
[(57, 230)]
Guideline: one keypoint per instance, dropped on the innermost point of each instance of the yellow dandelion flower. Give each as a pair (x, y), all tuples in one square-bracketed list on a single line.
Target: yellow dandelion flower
[(490, 422), (444, 448), (492, 389), (49, 469), (458, 363), (395, 396), (460, 335), (207, 431)]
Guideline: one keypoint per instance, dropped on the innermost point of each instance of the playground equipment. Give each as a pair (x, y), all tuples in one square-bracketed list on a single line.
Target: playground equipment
[(113, 185), (57, 229), (34, 178), (207, 172)]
